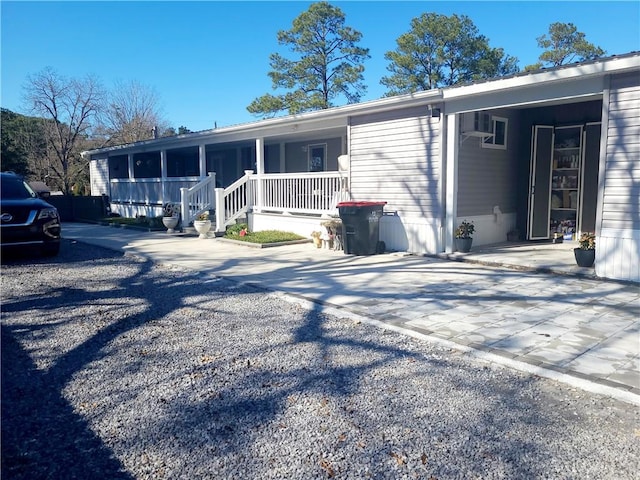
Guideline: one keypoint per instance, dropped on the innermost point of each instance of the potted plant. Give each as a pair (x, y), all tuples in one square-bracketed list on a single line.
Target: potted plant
[(202, 224), (170, 216), (463, 236), (586, 252)]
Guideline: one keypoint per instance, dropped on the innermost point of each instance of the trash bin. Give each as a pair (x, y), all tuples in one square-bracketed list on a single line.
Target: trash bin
[(360, 226)]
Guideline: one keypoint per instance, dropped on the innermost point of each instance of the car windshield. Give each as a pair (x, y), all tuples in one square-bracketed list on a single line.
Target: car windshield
[(13, 188)]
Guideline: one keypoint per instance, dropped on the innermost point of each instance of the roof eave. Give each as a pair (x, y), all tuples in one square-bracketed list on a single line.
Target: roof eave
[(590, 69), (343, 112)]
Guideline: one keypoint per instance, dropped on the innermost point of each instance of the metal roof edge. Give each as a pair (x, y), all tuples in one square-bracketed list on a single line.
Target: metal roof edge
[(563, 73), (372, 106)]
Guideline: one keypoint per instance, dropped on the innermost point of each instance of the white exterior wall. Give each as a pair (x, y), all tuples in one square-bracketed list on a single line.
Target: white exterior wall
[(99, 175), (410, 234), (287, 223), (618, 218), (395, 157), (486, 183), (490, 229)]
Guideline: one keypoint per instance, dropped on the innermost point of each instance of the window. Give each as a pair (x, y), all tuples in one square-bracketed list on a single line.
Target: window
[(119, 166), (499, 138), (183, 162), (316, 157), (146, 165)]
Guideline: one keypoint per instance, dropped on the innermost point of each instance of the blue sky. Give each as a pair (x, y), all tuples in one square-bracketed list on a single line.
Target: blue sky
[(208, 60)]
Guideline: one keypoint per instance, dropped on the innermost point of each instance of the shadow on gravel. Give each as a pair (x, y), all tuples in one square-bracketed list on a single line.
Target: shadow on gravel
[(42, 436), (45, 438), (395, 432), (224, 403)]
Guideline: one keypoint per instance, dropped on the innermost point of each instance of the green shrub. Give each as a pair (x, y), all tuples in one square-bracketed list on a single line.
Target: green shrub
[(122, 220), (234, 230), (153, 223)]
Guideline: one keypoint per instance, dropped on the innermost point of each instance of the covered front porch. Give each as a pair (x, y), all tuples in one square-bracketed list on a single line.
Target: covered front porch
[(283, 169)]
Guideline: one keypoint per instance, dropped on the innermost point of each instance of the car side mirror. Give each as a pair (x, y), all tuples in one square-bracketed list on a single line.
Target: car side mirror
[(44, 194)]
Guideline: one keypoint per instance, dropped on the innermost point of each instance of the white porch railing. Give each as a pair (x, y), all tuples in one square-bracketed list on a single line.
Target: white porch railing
[(198, 199), (233, 202), (314, 193), (148, 191)]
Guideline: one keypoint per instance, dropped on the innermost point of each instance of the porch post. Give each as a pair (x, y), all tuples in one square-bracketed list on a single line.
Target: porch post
[(260, 172), (283, 158), (184, 206), (219, 199), (163, 174), (451, 181), (202, 161), (130, 167)]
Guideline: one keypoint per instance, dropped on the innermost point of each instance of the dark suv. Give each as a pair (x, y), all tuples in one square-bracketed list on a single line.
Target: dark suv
[(25, 218)]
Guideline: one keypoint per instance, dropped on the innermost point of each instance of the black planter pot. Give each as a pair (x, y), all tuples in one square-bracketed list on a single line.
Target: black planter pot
[(463, 244), (584, 258)]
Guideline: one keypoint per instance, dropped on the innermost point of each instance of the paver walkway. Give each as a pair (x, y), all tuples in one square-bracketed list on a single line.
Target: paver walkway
[(580, 330)]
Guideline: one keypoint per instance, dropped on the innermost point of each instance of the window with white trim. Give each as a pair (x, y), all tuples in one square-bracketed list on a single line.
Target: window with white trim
[(499, 138)]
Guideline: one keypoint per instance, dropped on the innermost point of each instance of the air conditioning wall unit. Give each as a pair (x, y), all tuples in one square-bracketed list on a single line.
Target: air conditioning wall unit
[(477, 124)]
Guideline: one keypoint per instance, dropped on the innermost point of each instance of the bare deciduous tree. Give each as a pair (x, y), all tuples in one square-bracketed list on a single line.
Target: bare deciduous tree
[(132, 113), (68, 107)]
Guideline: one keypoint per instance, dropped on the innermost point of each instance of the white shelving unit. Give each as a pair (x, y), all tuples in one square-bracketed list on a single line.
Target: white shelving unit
[(565, 181)]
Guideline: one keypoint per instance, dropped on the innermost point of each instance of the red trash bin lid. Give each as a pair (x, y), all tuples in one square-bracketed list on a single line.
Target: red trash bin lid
[(360, 204)]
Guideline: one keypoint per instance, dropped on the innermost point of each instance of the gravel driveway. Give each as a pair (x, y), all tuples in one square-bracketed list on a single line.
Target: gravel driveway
[(114, 367)]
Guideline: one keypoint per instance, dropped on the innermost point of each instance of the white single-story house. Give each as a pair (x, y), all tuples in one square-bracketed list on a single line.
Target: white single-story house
[(554, 152)]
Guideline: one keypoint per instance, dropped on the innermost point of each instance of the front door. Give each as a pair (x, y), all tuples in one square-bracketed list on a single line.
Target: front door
[(589, 182), (540, 183)]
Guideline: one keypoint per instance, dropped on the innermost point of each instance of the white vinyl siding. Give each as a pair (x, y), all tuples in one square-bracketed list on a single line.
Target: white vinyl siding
[(488, 177), (395, 157), (618, 242), (99, 174), (621, 201)]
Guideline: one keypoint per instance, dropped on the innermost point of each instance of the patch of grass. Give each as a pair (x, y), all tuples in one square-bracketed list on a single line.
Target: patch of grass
[(265, 236)]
